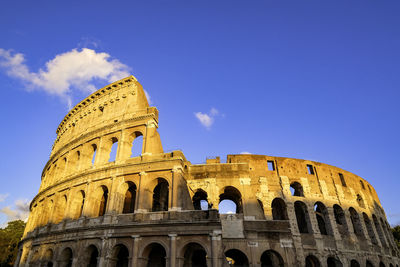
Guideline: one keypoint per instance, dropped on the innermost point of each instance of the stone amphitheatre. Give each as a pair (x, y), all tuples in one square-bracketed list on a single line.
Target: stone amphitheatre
[(153, 208)]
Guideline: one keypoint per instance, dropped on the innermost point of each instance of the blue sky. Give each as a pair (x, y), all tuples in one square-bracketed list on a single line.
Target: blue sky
[(314, 80)]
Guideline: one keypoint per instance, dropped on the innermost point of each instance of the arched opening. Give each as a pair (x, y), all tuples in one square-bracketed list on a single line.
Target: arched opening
[(77, 159), (160, 195), (333, 262), (235, 257), (369, 264), (48, 258), (200, 200), (130, 198), (227, 206), (113, 151), (120, 256), (94, 147), (379, 230), (271, 258), (91, 255), (340, 219), (312, 261), (34, 261), (296, 189), (355, 220), (279, 211), (354, 263), (232, 194), (194, 256), (381, 264), (103, 201), (66, 258), (370, 230), (385, 230), (77, 204), (303, 220), (137, 145), (360, 201), (155, 255), (322, 216)]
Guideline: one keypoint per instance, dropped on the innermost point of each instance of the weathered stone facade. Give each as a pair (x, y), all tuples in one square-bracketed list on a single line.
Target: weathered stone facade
[(158, 209)]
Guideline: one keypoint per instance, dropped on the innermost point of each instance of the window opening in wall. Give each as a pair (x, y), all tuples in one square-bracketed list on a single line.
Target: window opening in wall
[(156, 256), (279, 211), (200, 200), (355, 220), (379, 230), (82, 204), (360, 201), (235, 257), (340, 219), (332, 262), (312, 261), (362, 185), (130, 197), (120, 256), (310, 169), (271, 258), (137, 145), (231, 194), (160, 196), (103, 202), (271, 165), (370, 230), (301, 216), (114, 148), (322, 217), (369, 264), (354, 263), (369, 188), (342, 179), (296, 189), (195, 255), (94, 153)]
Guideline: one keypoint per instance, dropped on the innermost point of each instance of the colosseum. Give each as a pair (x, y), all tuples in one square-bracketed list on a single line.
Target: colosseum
[(141, 206)]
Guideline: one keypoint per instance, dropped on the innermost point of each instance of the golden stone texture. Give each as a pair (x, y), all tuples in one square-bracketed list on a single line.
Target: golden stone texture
[(146, 210)]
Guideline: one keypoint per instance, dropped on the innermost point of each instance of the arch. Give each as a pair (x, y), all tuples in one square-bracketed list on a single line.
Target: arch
[(235, 257), (48, 258), (271, 258), (340, 219), (160, 195), (137, 144), (94, 147), (200, 201), (381, 264), (303, 220), (368, 264), (297, 189), (234, 195), (103, 200), (120, 256), (355, 220), (194, 255), (279, 210), (113, 149), (334, 262), (312, 261), (90, 257), (385, 230), (65, 259), (360, 201), (130, 198), (155, 255), (354, 263), (34, 260), (322, 216), (77, 203), (370, 230)]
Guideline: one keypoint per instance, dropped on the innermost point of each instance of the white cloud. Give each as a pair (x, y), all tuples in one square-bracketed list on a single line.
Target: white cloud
[(245, 153), (205, 119), (72, 70), (19, 212), (3, 197)]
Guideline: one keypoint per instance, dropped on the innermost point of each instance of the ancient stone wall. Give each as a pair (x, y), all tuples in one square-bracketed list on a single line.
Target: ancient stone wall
[(145, 207)]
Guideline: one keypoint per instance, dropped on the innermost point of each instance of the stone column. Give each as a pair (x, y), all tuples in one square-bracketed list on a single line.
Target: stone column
[(124, 146), (332, 221), (298, 246), (135, 250), (176, 177), (172, 254), (103, 253), (215, 247), (139, 194)]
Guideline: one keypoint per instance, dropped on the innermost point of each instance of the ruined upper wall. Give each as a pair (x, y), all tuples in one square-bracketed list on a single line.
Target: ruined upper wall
[(117, 101)]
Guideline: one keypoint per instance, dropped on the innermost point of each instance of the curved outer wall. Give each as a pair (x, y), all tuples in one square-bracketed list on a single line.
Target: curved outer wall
[(289, 212)]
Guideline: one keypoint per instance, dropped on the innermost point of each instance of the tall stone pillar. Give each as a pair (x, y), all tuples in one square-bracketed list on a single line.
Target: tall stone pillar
[(176, 179), (215, 248), (172, 254), (135, 250), (140, 195), (103, 253), (124, 147)]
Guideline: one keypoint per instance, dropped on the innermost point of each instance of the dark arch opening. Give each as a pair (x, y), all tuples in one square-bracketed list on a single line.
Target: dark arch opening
[(92, 254), (48, 257), (381, 264), (279, 211), (66, 258), (137, 145), (321, 214), (355, 220), (120, 256), (297, 189), (340, 219), (354, 263), (94, 147), (370, 230), (271, 258), (156, 255), (312, 261), (232, 194), (103, 201), (302, 217), (195, 256), (160, 196), (113, 150), (130, 198), (200, 200), (236, 258), (369, 264), (379, 230), (332, 262)]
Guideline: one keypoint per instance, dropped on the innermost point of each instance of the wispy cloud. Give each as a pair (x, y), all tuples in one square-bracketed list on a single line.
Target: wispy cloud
[(207, 119), (245, 153), (20, 211), (72, 70)]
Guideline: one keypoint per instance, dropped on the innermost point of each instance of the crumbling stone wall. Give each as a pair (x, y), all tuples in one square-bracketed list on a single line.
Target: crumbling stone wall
[(158, 209)]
